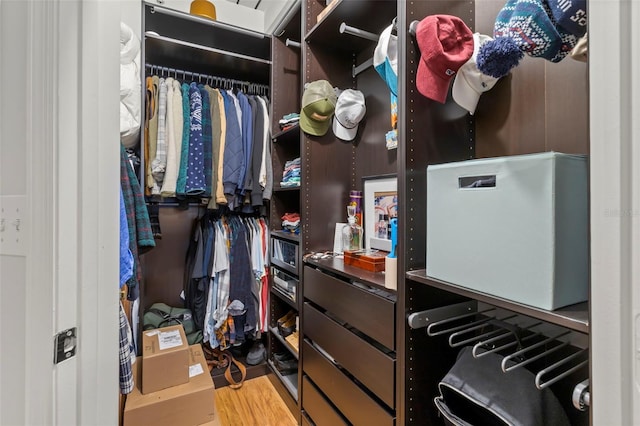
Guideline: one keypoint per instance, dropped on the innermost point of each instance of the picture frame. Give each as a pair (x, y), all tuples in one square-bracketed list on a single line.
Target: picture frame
[(380, 198)]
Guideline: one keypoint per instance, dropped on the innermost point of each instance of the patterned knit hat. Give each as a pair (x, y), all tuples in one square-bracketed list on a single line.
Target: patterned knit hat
[(571, 15), (530, 25)]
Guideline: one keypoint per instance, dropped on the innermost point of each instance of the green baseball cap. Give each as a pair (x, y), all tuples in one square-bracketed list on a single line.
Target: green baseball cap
[(318, 105)]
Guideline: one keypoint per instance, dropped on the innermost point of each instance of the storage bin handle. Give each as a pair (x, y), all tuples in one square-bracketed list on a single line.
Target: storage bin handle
[(473, 182)]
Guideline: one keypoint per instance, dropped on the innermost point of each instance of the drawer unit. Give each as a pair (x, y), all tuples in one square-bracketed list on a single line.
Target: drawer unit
[(358, 407), (285, 254), (371, 314), (317, 407), (372, 367)]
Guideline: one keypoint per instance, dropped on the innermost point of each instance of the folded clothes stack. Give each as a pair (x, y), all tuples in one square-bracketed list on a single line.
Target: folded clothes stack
[(291, 222), (291, 174), (289, 120)]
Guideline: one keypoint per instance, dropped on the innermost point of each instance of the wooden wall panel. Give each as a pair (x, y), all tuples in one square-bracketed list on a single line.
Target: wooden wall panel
[(541, 106), (163, 266), (286, 79), (372, 156)]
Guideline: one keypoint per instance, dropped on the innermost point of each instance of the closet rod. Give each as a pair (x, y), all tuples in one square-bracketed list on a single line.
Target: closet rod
[(344, 28), (413, 27), (288, 42), (228, 82)]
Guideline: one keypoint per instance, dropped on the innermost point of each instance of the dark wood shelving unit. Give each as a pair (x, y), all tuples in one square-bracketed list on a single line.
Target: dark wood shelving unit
[(369, 15)]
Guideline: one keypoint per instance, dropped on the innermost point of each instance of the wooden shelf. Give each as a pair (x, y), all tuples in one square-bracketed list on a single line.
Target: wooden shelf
[(289, 381), (282, 340), (287, 134), (368, 15), (574, 317), (278, 188), (286, 235)]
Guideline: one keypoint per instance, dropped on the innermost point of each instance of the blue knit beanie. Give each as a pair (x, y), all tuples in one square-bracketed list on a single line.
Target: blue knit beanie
[(571, 15), (528, 26)]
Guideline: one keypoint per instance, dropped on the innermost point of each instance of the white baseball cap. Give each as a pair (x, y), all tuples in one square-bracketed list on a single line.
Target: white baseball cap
[(470, 83), (350, 109)]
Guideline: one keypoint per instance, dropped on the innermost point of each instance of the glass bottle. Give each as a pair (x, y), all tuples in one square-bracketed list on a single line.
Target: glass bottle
[(352, 232)]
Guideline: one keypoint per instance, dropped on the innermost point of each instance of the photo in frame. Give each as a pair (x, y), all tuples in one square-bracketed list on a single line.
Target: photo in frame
[(380, 204)]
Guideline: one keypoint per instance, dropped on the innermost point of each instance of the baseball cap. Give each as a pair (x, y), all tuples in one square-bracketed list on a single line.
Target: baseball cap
[(350, 109), (318, 105), (532, 26), (445, 43), (470, 83), (571, 15), (385, 59)]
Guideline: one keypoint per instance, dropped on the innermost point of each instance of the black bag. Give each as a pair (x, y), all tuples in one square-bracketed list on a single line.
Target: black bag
[(160, 315), (477, 392)]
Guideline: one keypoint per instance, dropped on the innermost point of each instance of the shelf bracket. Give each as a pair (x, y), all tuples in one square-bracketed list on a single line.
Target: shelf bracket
[(424, 318), (362, 67)]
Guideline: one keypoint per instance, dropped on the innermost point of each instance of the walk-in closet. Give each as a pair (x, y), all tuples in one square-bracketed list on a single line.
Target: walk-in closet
[(331, 212)]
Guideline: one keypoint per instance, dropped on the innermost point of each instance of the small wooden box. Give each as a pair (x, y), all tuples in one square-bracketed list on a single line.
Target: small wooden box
[(370, 261)]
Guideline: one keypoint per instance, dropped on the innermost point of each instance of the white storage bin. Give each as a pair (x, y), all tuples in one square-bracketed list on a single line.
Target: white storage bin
[(524, 239)]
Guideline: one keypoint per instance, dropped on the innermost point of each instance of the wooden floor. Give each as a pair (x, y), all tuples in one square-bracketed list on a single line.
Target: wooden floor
[(256, 403)]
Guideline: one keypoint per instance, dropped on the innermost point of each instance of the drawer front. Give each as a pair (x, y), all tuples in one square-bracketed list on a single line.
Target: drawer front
[(358, 407), (317, 407), (374, 369), (373, 315)]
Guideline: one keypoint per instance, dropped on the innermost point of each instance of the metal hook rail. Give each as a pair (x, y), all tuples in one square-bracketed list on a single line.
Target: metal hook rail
[(502, 335)]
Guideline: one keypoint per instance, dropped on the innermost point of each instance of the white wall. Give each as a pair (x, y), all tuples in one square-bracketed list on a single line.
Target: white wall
[(131, 14), (13, 182), (274, 12)]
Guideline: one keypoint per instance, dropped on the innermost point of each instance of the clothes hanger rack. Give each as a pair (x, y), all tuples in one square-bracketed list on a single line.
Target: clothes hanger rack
[(213, 81), (491, 334)]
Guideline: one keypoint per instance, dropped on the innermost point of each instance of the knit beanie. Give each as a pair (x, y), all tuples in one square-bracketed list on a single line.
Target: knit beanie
[(524, 26)]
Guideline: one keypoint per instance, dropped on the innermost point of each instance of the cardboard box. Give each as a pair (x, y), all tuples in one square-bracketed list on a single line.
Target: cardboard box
[(524, 239), (192, 403), (373, 261), (165, 358)]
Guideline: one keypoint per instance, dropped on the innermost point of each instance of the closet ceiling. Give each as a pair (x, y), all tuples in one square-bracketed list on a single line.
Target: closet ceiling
[(274, 10)]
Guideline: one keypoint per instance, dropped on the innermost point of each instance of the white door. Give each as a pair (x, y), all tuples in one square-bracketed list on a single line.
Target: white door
[(59, 183), (614, 68)]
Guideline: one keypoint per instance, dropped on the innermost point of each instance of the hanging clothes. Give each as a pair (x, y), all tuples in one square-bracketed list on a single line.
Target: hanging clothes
[(140, 234), (207, 143)]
